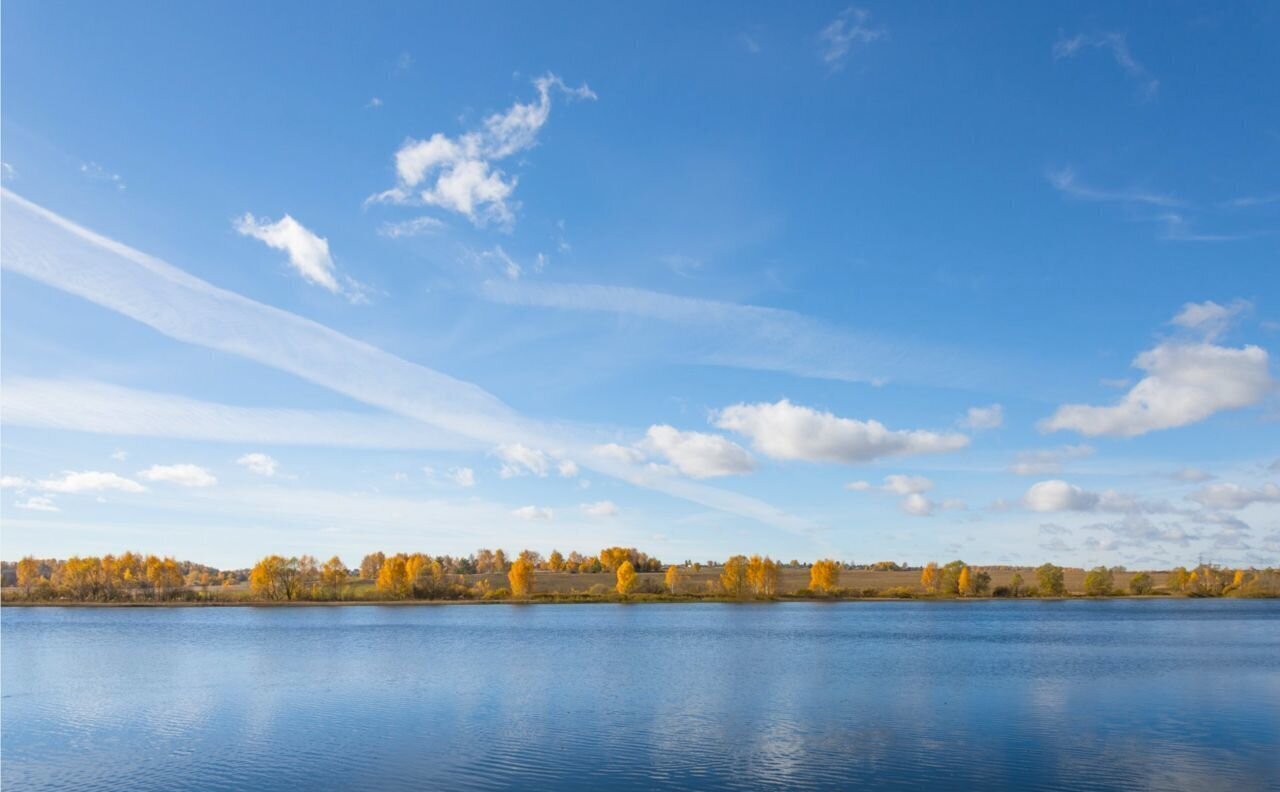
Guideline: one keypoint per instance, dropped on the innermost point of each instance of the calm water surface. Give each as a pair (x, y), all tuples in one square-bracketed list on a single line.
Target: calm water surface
[(1042, 695)]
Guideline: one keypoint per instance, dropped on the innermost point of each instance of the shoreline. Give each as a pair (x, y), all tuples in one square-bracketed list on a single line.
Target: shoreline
[(549, 601)]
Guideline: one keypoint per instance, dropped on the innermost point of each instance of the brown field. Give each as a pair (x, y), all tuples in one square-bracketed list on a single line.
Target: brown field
[(791, 580)]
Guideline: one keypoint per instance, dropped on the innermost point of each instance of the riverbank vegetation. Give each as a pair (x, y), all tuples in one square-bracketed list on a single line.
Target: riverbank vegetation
[(614, 573)]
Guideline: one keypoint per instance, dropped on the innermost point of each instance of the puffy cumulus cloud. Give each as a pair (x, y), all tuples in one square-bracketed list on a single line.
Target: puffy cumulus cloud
[(788, 431), (989, 417), (184, 475), (602, 508), (567, 468), (1209, 318), (1044, 461), (911, 489), (1185, 383), (308, 252), (1231, 497), (1056, 495), (258, 463), (460, 174), (74, 482), (533, 513), (520, 460), (37, 503), (697, 454)]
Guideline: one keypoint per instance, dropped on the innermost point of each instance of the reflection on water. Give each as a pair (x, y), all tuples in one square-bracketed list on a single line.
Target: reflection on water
[(1080, 695)]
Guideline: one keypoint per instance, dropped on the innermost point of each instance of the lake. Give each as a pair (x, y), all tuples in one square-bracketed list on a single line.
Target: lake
[(1114, 694)]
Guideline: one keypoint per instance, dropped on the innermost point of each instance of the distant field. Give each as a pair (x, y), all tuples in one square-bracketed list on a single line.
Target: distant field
[(794, 579)]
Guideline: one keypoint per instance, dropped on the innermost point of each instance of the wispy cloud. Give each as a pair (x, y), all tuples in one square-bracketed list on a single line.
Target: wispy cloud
[(95, 172), (748, 336), (848, 30), (48, 248), (183, 474), (460, 174), (1117, 45), (1065, 181), (89, 406), (418, 226)]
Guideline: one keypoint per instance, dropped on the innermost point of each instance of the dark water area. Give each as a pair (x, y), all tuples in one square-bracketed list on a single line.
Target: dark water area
[(1120, 694)]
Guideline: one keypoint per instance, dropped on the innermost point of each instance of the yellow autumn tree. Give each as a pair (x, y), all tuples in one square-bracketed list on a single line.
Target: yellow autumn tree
[(28, 574), (393, 578), (824, 575), (273, 578), (963, 584), (762, 576), (626, 578), (555, 561), (333, 577), (674, 579), (733, 578), (930, 579), (521, 577)]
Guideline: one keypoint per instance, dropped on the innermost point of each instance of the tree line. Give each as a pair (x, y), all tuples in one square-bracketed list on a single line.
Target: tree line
[(491, 574)]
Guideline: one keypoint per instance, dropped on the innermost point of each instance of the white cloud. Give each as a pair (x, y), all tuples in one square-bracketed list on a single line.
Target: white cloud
[(911, 489), (1190, 474), (459, 174), (37, 503), (1185, 383), (307, 251), (990, 417), (718, 333), (14, 482), (184, 475), (1230, 497), (916, 504), (1209, 318), (1057, 495), (533, 513), (848, 29), (258, 463), (1065, 181), (1047, 460), (7, 173), (907, 485), (697, 454), (567, 468), (374, 103), (614, 452), (417, 226), (520, 460), (602, 508), (120, 455), (787, 431), (462, 476), (498, 260), (73, 482), (89, 406), (1116, 44)]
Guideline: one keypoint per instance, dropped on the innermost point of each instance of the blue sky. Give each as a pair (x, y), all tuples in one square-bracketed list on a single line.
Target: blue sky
[(874, 281)]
